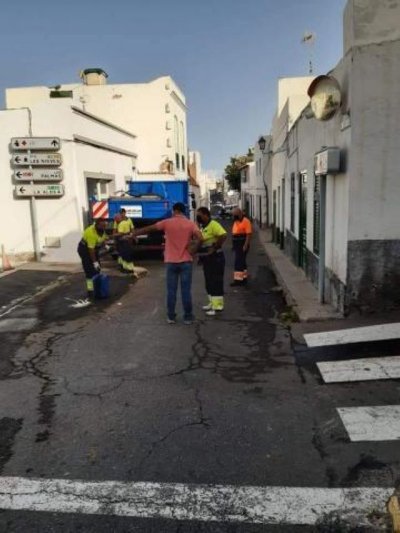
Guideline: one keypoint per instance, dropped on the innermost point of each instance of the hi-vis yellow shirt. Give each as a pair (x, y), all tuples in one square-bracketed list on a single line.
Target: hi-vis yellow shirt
[(212, 232), (125, 226), (92, 238)]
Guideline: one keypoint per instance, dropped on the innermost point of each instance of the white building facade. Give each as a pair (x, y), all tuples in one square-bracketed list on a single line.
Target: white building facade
[(155, 111), (341, 225), (98, 159), (254, 183)]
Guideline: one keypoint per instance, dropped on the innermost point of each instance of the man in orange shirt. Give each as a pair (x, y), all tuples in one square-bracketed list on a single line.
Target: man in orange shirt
[(241, 237)]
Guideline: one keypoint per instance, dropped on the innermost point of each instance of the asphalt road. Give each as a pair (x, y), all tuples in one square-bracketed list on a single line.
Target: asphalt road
[(112, 392)]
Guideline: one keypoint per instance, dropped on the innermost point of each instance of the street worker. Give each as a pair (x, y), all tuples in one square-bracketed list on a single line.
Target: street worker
[(122, 233), (241, 237), (180, 234), (89, 246), (212, 258)]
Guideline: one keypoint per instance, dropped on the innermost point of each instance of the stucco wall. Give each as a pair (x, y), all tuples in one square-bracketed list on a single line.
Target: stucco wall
[(307, 137), (375, 184), (370, 21)]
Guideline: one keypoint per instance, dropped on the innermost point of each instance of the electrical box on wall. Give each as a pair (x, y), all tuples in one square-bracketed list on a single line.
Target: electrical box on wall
[(327, 162)]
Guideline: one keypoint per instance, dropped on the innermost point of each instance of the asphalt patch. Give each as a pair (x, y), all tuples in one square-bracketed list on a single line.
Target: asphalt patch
[(24, 283), (9, 428), (56, 305)]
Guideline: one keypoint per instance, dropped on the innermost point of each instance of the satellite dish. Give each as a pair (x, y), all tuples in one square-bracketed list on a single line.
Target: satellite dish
[(326, 97)]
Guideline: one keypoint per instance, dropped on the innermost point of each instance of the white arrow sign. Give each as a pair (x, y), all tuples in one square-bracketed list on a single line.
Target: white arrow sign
[(38, 160), (55, 190), (39, 174), (35, 143)]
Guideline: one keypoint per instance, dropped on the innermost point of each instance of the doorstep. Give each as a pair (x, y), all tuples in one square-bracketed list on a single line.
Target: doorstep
[(300, 292)]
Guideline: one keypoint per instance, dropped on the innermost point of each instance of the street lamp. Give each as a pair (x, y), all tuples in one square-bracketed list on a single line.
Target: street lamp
[(261, 143)]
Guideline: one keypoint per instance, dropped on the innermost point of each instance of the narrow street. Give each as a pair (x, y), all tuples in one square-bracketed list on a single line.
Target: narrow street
[(113, 393)]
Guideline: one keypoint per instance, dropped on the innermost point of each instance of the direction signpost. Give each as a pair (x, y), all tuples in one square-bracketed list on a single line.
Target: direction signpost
[(35, 143), (49, 190), (30, 152), (37, 160), (38, 174)]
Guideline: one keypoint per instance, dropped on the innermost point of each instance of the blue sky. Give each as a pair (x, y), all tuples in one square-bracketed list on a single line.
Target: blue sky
[(226, 55)]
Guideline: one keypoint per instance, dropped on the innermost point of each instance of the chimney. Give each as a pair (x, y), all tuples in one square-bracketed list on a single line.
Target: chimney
[(94, 76)]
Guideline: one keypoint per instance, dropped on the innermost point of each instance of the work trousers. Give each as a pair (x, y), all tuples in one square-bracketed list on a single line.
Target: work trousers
[(214, 268), (240, 273), (87, 264), (126, 254)]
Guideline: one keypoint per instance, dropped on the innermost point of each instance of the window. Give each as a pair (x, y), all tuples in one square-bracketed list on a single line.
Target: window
[(56, 93), (183, 162), (182, 138), (177, 143), (316, 214), (292, 201)]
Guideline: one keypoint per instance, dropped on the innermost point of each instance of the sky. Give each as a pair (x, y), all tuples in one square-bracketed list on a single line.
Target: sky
[(226, 55)]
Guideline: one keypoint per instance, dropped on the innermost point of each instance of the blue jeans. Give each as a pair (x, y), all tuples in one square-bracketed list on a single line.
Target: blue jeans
[(184, 272)]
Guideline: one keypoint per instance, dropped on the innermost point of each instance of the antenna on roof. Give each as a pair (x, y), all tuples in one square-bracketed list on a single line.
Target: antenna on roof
[(308, 39)]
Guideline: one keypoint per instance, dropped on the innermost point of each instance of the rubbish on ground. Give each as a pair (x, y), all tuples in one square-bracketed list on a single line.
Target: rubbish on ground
[(79, 304)]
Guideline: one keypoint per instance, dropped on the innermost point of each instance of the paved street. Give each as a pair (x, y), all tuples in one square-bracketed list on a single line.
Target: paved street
[(113, 393)]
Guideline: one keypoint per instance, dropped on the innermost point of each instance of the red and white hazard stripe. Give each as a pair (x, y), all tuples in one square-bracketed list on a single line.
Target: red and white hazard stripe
[(100, 209)]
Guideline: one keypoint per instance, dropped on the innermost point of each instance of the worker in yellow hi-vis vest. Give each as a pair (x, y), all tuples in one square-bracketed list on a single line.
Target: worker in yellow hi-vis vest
[(89, 246), (213, 260), (122, 231)]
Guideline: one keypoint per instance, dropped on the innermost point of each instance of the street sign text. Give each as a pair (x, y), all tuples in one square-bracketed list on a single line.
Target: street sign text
[(37, 159), (23, 190), (39, 174)]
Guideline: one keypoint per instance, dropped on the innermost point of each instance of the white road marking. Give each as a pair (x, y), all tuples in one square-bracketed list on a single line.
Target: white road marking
[(372, 423), (12, 325), (15, 304), (360, 369), (379, 332), (218, 503)]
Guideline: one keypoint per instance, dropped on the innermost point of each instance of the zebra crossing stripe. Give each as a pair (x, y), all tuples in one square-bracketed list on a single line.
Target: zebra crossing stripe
[(372, 368), (206, 503), (381, 423), (380, 332)]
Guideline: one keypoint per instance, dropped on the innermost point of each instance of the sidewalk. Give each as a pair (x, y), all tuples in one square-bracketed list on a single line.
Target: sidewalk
[(299, 291)]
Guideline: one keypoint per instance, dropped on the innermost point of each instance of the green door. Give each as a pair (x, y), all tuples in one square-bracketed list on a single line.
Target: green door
[(303, 220)]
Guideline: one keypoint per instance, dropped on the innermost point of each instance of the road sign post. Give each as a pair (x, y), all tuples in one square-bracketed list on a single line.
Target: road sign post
[(31, 153)]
